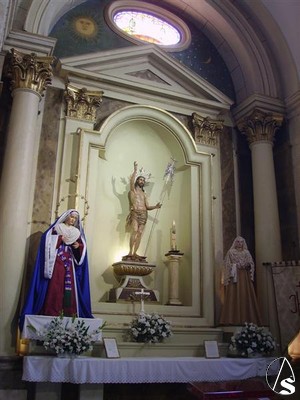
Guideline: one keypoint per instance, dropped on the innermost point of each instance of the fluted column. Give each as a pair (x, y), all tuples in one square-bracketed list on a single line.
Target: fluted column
[(29, 77), (260, 129)]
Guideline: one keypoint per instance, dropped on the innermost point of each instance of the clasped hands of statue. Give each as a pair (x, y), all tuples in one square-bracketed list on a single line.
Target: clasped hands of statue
[(247, 267), (75, 245)]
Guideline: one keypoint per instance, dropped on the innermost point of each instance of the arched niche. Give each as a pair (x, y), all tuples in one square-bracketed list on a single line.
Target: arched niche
[(105, 161)]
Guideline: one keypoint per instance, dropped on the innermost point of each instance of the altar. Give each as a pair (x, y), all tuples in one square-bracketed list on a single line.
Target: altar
[(91, 373)]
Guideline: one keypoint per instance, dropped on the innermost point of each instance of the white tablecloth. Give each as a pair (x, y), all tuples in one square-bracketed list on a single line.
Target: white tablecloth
[(142, 370), (40, 321)]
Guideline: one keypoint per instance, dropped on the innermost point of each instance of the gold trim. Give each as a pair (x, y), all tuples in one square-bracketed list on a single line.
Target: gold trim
[(260, 126), (206, 130), (81, 103), (28, 71)]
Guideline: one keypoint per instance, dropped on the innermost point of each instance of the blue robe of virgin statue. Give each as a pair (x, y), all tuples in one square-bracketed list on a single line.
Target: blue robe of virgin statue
[(50, 254)]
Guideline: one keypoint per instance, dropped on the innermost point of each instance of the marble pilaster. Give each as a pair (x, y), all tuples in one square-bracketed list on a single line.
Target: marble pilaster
[(81, 110), (29, 76)]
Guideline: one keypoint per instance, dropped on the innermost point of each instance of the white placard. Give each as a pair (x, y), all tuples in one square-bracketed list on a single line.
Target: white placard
[(111, 348), (211, 349)]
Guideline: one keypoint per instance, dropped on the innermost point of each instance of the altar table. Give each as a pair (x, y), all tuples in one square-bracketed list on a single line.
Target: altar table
[(93, 370)]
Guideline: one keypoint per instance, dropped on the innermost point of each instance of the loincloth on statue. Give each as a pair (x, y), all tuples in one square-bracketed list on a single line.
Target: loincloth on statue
[(136, 215)]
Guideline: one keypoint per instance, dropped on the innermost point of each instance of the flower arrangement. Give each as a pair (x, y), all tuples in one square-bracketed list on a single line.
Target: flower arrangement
[(67, 337), (150, 328), (252, 339)]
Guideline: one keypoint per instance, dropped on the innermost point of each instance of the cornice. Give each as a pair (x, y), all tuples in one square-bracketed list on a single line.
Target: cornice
[(293, 104), (258, 102), (29, 43)]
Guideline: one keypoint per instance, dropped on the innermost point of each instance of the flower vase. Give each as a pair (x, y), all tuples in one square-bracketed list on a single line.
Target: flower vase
[(255, 355), (234, 353), (67, 355)]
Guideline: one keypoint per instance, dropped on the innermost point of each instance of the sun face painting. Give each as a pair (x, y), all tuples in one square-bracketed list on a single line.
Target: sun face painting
[(85, 27)]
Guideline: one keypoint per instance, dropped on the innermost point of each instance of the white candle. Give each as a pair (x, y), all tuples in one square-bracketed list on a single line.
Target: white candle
[(173, 227), (173, 237)]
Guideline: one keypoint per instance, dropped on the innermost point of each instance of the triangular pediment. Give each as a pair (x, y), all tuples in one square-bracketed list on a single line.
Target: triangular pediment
[(147, 67)]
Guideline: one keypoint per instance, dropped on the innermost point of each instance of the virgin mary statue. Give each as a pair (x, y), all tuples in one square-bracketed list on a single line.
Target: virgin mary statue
[(60, 281), (240, 303)]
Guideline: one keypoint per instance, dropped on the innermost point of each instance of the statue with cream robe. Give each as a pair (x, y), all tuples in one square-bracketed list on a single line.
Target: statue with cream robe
[(240, 303)]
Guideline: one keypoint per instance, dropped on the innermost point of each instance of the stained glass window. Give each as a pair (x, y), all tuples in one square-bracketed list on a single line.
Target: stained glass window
[(147, 27)]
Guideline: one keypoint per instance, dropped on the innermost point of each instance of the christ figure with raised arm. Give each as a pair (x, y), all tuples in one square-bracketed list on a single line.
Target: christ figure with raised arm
[(138, 215)]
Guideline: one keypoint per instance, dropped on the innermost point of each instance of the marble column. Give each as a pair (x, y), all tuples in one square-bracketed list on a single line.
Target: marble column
[(260, 128), (29, 76)]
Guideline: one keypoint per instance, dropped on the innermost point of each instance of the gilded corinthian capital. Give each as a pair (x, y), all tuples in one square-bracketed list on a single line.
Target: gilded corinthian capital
[(260, 126), (81, 103), (28, 71), (206, 130)]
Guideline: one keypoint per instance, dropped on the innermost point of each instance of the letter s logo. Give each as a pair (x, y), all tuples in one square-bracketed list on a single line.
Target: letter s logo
[(278, 369), (286, 383)]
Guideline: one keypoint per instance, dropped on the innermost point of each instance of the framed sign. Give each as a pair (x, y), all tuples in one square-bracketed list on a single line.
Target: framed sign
[(111, 348), (211, 349)]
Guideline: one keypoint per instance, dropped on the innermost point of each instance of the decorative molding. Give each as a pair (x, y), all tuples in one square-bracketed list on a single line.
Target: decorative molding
[(293, 105), (182, 91), (260, 126), (81, 103), (148, 75), (258, 102), (27, 71), (206, 130), (28, 42), (43, 14)]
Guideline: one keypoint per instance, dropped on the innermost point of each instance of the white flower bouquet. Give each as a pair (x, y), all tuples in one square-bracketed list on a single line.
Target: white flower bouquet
[(69, 337), (252, 339), (150, 328)]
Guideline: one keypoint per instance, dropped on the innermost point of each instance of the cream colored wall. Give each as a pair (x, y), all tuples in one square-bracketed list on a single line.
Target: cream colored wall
[(105, 161), (109, 183)]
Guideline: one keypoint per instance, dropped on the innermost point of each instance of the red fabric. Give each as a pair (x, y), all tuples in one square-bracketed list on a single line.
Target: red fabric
[(54, 302)]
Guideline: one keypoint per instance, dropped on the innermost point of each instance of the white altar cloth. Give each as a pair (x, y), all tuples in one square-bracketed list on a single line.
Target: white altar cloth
[(83, 370), (40, 321)]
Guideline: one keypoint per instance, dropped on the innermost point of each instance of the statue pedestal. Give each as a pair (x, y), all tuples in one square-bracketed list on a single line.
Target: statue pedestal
[(130, 275), (174, 257)]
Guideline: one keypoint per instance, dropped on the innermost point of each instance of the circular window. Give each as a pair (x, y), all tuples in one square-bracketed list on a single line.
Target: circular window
[(142, 22)]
